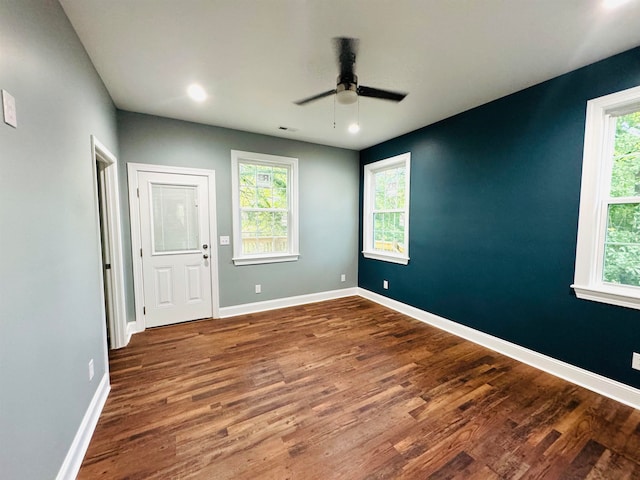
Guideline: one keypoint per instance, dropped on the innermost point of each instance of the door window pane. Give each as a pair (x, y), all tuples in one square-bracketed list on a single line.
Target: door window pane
[(175, 218)]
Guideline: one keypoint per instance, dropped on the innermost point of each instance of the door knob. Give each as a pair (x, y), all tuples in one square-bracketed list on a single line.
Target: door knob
[(205, 256), (205, 246)]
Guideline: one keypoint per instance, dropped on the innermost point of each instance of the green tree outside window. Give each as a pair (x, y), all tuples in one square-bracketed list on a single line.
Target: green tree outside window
[(622, 241)]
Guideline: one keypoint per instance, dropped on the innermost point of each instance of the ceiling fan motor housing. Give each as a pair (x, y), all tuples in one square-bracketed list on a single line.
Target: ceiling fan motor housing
[(347, 89)]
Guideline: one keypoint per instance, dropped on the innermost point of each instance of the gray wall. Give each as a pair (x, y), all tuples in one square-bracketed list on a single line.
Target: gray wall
[(51, 320), (328, 203)]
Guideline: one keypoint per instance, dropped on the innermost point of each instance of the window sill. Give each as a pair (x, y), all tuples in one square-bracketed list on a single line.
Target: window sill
[(258, 259), (400, 259), (614, 295)]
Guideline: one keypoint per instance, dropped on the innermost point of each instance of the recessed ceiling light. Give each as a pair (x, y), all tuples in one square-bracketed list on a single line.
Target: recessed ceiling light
[(197, 93), (611, 4), (354, 128)]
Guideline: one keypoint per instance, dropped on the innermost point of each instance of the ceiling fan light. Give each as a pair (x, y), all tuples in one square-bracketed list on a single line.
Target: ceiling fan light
[(346, 93), (347, 97)]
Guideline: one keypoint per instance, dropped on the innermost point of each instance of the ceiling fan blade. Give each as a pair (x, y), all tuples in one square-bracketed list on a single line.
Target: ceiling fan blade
[(346, 50), (382, 94), (315, 97)]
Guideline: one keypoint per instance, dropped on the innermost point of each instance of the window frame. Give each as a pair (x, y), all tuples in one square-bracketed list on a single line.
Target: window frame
[(370, 170), (595, 200), (291, 164)]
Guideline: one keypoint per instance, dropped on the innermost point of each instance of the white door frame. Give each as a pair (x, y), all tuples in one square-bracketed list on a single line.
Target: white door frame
[(136, 241), (110, 216)]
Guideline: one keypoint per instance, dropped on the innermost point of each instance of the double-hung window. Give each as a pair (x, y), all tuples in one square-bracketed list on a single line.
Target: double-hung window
[(608, 249), (386, 209), (265, 208)]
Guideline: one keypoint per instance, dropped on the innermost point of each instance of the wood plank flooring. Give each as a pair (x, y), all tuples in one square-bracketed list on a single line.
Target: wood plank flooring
[(346, 389)]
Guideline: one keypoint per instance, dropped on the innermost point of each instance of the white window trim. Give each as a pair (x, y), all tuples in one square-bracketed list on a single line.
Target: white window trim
[(592, 219), (368, 202), (292, 164)]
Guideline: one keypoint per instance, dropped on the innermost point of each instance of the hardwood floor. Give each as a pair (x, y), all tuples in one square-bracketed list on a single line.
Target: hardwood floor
[(346, 389)]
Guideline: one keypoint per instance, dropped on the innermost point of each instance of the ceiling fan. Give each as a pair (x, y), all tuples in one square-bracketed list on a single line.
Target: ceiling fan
[(347, 89)]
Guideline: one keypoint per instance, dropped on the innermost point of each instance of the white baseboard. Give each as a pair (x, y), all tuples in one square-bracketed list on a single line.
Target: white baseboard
[(255, 307), (132, 327), (72, 462), (592, 381)]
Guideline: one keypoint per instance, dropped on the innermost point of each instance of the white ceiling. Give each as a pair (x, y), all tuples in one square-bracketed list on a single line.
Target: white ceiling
[(255, 57)]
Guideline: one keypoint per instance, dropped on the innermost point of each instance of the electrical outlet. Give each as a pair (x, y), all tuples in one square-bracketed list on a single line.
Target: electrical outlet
[(385, 284), (343, 278), (258, 288), (91, 370), (635, 361)]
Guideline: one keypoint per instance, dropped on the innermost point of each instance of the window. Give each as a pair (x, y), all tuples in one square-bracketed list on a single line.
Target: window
[(175, 218), (386, 210), (608, 250), (265, 213)]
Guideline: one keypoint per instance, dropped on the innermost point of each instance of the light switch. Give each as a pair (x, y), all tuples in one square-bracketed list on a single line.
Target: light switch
[(9, 109), (224, 240)]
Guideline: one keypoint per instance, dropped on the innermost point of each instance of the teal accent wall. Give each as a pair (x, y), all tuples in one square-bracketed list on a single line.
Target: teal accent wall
[(328, 195), (51, 311), (495, 193)]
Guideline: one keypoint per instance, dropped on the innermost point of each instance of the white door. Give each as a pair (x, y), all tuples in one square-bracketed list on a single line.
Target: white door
[(174, 232)]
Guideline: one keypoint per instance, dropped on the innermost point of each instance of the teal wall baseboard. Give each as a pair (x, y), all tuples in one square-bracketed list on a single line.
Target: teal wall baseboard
[(592, 381)]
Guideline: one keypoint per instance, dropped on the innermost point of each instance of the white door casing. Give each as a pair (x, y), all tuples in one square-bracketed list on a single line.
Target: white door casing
[(175, 265), (105, 171)]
